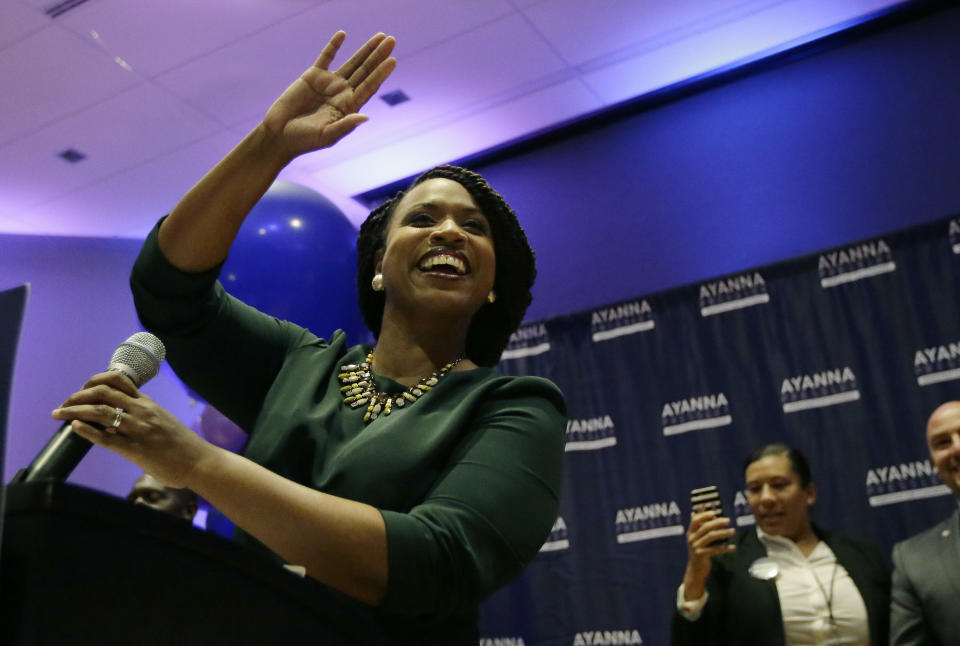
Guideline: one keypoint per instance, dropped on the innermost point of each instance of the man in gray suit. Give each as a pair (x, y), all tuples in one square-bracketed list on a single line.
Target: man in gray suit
[(925, 602)]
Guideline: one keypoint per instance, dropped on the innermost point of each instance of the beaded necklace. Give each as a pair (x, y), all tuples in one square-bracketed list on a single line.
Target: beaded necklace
[(359, 388)]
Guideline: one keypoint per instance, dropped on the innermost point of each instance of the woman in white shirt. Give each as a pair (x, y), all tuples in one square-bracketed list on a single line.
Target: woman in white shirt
[(784, 582)]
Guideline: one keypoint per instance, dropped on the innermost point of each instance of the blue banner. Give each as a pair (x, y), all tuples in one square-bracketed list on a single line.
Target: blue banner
[(843, 354)]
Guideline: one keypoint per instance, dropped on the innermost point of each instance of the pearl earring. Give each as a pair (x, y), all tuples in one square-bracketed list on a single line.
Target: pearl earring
[(377, 283), (492, 296)]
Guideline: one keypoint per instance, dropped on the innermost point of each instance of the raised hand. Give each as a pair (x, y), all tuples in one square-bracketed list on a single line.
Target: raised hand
[(143, 431), (704, 540), (315, 112), (321, 107)]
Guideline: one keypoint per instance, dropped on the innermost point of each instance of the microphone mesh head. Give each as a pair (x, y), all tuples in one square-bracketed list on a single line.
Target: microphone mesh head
[(139, 357)]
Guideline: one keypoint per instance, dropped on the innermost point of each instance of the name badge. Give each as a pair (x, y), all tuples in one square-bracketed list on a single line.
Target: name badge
[(764, 568)]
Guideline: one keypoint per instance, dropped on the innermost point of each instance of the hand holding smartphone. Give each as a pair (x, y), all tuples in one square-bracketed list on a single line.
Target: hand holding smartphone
[(707, 499), (699, 551)]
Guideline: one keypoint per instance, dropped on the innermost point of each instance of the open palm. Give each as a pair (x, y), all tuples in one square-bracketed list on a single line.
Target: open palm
[(320, 107)]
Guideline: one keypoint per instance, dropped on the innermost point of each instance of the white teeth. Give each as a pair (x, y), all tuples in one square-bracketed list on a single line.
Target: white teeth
[(444, 259)]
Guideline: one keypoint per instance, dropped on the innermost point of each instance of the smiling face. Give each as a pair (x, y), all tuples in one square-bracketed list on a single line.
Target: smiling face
[(943, 440), (780, 503), (439, 255)]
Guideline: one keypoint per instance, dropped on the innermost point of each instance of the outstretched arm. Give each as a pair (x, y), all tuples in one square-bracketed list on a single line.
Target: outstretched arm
[(316, 111), (483, 519), (340, 542)]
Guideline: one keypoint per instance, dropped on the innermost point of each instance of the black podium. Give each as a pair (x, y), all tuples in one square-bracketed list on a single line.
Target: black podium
[(81, 567)]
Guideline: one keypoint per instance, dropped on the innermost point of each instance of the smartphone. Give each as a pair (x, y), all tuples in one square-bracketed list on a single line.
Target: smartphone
[(704, 499)]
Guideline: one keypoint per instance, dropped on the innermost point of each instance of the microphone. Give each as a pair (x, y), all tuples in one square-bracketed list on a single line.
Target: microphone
[(138, 358)]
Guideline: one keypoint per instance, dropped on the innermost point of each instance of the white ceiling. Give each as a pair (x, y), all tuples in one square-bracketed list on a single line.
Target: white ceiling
[(153, 92)]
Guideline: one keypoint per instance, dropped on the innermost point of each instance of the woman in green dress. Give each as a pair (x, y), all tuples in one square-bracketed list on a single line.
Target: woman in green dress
[(407, 475)]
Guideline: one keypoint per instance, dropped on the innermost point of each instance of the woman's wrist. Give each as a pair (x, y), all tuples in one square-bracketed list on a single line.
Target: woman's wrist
[(269, 149), (209, 460), (693, 585)]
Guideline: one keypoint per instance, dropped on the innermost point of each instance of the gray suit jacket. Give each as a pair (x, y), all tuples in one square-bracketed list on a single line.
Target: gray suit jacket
[(925, 601)]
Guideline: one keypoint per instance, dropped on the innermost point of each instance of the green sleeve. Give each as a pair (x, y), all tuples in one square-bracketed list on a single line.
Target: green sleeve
[(226, 351), (489, 512)]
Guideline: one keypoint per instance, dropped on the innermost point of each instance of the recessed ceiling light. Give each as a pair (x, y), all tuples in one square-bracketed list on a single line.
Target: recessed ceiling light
[(72, 156), (395, 98)]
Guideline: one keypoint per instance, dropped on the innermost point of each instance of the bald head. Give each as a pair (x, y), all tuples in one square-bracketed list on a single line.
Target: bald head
[(943, 440)]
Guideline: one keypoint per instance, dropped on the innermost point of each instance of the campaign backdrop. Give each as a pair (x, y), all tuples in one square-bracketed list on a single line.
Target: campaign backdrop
[(842, 354)]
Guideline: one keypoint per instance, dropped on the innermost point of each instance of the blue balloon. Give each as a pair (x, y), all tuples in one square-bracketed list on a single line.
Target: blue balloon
[(295, 258)]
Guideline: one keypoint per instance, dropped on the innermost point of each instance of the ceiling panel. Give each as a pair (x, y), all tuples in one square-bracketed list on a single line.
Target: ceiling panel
[(157, 36), (581, 33), (124, 131), (239, 81), (460, 72), (132, 210), (149, 89), (523, 4), (18, 21), (50, 75), (505, 122), (415, 25), (759, 34), (441, 90)]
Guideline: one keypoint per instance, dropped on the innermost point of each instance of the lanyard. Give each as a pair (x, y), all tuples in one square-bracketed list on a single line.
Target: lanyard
[(828, 598)]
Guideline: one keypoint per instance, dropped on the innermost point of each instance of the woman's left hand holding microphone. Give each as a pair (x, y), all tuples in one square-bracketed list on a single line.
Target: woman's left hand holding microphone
[(135, 427)]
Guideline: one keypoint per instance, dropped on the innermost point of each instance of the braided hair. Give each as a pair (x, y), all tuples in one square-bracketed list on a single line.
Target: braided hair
[(493, 324)]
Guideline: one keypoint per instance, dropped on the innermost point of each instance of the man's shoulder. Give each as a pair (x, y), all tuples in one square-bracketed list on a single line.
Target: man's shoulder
[(920, 542)]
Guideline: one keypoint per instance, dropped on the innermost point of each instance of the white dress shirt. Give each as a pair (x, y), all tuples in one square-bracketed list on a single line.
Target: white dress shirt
[(811, 589)]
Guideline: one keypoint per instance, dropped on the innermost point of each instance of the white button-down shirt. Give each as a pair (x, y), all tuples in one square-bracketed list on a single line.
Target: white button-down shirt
[(811, 589)]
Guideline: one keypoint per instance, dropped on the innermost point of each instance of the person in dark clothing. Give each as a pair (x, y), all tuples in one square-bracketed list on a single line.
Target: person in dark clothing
[(406, 475), (786, 581)]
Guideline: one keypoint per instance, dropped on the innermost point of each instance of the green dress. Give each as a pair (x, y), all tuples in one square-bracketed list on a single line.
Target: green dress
[(467, 478)]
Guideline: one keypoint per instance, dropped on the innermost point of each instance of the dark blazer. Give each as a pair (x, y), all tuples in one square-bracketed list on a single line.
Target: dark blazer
[(925, 603), (745, 611)]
